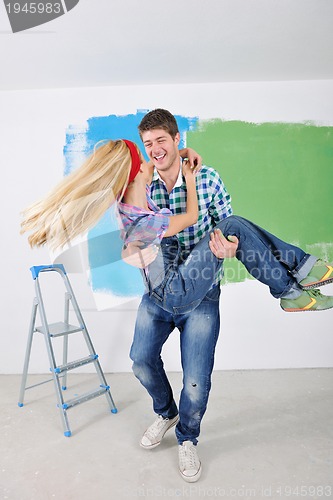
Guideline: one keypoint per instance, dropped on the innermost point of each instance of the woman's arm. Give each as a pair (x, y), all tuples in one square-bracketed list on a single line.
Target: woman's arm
[(136, 256), (179, 222)]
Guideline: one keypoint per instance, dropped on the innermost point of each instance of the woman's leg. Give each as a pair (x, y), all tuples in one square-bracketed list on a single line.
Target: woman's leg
[(272, 261), (189, 282), (277, 264)]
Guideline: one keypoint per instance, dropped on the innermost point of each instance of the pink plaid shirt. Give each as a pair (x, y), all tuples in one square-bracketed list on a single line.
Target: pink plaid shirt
[(151, 227)]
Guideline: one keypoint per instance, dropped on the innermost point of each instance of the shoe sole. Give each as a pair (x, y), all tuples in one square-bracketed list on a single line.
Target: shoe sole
[(316, 284), (192, 479), (150, 447), (305, 310)]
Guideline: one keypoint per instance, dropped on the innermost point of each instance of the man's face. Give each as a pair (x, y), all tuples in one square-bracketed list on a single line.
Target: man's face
[(162, 149)]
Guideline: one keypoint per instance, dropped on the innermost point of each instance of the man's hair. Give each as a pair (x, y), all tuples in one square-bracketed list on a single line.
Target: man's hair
[(159, 118)]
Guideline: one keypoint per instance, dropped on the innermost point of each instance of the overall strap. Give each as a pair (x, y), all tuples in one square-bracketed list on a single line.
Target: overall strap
[(133, 226), (130, 230)]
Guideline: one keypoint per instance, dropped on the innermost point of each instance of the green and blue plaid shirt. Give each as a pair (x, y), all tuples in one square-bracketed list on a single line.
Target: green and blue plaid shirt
[(213, 199)]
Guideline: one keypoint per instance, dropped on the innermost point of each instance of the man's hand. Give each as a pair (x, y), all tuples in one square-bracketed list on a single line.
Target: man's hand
[(136, 256), (223, 248)]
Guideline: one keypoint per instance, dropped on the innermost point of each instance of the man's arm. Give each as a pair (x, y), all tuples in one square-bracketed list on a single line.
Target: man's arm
[(220, 206)]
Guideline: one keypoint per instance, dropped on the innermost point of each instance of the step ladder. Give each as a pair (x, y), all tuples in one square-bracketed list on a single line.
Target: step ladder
[(62, 329)]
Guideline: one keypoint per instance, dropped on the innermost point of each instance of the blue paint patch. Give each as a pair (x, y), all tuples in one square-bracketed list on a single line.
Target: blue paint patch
[(108, 273)]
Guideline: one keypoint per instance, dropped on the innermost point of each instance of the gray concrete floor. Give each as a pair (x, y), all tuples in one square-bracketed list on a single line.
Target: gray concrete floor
[(266, 434)]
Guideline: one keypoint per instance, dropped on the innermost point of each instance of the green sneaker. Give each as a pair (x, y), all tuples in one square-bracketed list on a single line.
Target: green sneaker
[(321, 274), (310, 300)]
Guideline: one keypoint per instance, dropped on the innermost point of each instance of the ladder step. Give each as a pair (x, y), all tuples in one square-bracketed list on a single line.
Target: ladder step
[(60, 328), (76, 364), (85, 397)]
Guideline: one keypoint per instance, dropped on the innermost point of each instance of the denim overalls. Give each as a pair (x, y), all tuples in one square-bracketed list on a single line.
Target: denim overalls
[(179, 287), (176, 286)]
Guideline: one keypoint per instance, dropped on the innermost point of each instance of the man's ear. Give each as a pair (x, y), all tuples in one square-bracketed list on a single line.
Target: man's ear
[(177, 139)]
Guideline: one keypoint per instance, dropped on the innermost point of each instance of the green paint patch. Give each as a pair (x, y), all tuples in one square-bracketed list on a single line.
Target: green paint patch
[(280, 176)]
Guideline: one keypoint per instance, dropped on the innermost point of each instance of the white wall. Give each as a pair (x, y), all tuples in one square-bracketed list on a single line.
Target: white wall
[(255, 333)]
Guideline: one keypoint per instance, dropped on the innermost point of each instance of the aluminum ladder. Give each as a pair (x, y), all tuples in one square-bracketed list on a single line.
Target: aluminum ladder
[(62, 329)]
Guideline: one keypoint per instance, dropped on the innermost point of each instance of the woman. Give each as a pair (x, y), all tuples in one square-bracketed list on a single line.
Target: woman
[(117, 172)]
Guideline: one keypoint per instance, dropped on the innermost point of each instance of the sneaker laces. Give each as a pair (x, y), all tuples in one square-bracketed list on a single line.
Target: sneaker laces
[(156, 427), (188, 456), (314, 292)]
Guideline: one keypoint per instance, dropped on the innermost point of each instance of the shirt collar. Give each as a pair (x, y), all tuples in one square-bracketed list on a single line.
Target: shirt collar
[(179, 181)]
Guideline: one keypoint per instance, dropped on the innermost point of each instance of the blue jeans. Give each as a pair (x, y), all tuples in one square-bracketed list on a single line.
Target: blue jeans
[(199, 332), (180, 296), (179, 288)]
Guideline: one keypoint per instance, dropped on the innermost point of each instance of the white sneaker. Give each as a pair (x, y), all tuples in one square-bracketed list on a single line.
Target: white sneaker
[(189, 463), (154, 434)]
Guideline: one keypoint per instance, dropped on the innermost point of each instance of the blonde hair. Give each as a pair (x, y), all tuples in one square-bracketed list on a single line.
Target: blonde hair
[(81, 198)]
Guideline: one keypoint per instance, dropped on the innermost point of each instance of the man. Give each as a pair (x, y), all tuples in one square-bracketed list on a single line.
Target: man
[(288, 271), (199, 330)]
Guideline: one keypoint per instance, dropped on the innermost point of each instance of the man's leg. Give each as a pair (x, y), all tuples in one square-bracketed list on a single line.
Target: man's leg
[(152, 329), (199, 332)]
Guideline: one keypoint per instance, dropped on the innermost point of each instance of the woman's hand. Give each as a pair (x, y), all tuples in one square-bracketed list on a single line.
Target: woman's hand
[(150, 168), (134, 255), (193, 157), (187, 169)]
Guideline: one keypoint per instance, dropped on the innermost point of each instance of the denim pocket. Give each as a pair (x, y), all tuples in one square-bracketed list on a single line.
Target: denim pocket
[(176, 284), (213, 295), (188, 308)]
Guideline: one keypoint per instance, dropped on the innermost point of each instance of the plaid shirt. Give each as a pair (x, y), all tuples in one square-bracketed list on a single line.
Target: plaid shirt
[(213, 198), (151, 226), (214, 205)]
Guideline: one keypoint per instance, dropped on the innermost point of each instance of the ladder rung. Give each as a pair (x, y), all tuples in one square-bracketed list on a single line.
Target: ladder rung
[(76, 364), (85, 397), (60, 328), (42, 383)]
